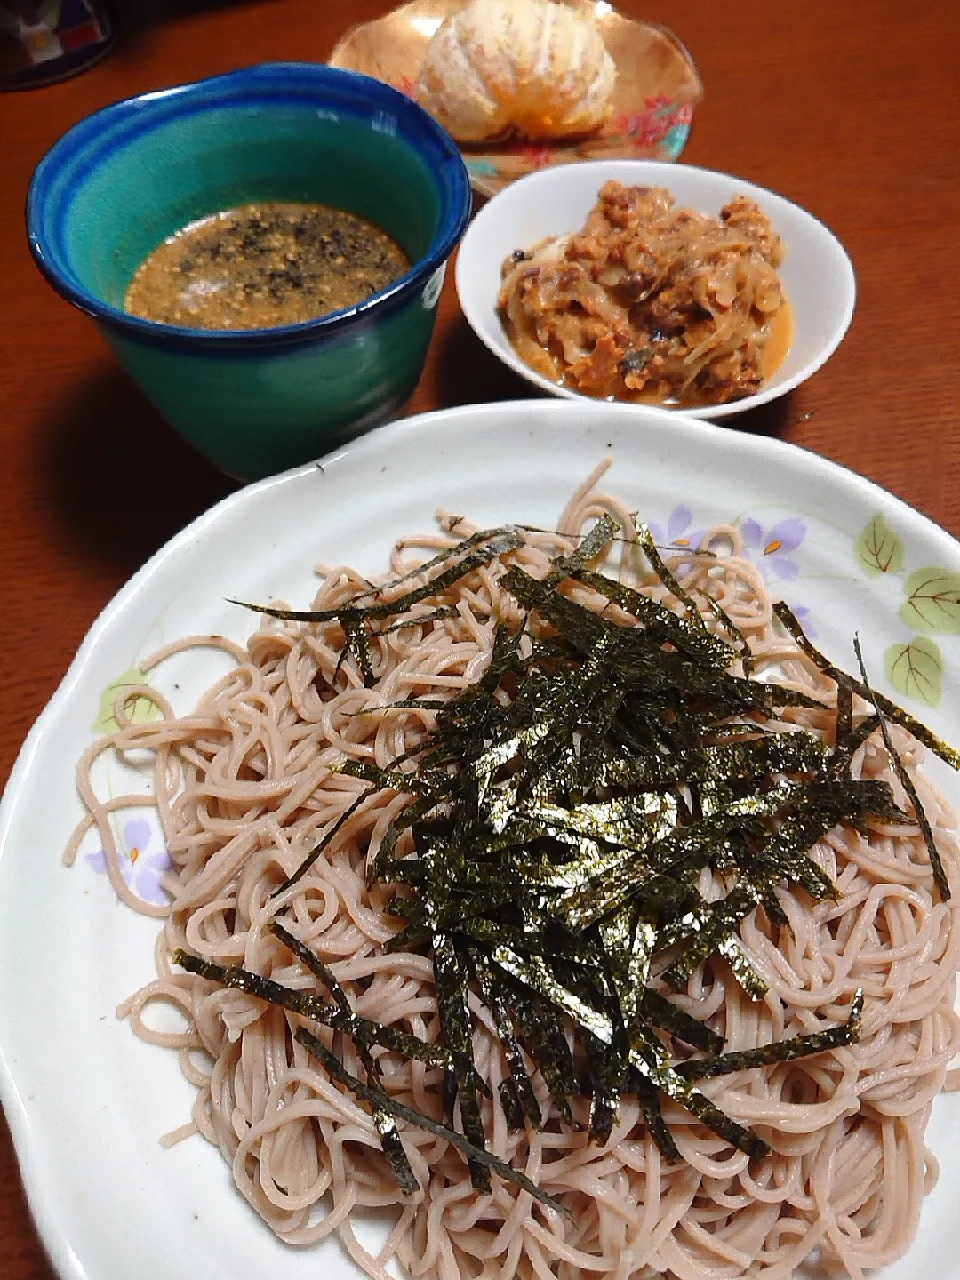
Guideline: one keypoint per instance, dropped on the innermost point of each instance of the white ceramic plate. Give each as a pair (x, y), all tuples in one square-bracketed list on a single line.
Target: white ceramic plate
[(817, 275), (87, 1102)]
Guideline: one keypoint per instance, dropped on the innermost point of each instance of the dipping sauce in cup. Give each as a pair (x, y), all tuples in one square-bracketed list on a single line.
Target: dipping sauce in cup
[(129, 178), (264, 265)]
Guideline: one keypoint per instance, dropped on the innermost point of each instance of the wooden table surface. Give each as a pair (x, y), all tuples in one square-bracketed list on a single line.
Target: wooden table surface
[(849, 110)]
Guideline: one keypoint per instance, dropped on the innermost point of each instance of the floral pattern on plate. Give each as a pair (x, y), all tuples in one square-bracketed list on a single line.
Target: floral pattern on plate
[(497, 463), (141, 868), (768, 547)]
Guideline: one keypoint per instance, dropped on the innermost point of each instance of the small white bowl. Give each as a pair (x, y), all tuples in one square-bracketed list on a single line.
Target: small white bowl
[(816, 272)]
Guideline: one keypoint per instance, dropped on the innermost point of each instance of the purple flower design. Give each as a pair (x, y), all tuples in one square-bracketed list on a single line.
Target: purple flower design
[(141, 870), (804, 617), (677, 535), (769, 548)]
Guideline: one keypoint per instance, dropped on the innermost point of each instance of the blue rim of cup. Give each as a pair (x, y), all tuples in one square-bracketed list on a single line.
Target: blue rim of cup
[(268, 83)]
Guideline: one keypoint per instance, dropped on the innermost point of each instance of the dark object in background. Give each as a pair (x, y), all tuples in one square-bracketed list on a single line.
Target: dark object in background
[(46, 40)]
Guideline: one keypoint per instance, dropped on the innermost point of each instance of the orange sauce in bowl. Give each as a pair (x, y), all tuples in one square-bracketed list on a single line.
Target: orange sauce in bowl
[(779, 339)]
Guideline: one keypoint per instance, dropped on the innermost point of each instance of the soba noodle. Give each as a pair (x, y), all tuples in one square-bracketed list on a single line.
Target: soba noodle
[(244, 791)]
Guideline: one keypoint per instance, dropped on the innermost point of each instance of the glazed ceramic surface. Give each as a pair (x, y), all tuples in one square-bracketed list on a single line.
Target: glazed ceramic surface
[(656, 91), (121, 181), (816, 273), (87, 1102)]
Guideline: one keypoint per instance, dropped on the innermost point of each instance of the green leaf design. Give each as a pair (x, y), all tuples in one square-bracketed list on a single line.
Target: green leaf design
[(933, 601), (143, 709), (916, 669), (878, 549)]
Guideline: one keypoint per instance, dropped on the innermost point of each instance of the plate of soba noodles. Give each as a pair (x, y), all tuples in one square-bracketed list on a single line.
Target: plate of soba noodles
[(521, 844)]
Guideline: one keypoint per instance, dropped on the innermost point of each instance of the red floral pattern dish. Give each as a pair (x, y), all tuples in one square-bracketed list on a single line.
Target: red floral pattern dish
[(657, 89)]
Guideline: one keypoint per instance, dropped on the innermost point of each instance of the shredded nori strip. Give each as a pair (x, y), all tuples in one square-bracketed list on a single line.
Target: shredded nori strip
[(949, 755), (376, 1096), (725, 1064), (307, 1005), (452, 978), (484, 547), (561, 813), (659, 1012), (521, 1100), (693, 609), (939, 875), (386, 1125), (540, 1024), (312, 857), (649, 1099)]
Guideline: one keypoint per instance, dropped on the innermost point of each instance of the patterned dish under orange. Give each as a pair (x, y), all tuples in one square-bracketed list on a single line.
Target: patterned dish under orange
[(657, 89)]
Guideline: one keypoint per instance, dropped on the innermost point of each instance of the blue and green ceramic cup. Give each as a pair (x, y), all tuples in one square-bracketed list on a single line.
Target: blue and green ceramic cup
[(256, 401)]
